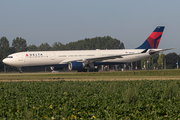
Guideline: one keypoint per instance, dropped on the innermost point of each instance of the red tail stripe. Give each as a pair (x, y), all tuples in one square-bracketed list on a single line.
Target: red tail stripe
[(154, 35), (151, 42), (157, 43)]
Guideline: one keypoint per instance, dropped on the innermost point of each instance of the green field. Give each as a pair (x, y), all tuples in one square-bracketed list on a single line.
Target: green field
[(104, 95)]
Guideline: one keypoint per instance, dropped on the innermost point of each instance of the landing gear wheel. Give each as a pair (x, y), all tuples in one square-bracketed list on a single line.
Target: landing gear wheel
[(20, 70), (96, 70)]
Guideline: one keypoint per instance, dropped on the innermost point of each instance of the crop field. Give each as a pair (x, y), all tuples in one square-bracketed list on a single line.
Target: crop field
[(103, 95)]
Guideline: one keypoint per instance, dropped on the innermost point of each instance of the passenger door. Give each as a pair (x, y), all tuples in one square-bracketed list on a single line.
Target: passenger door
[(52, 56), (20, 58)]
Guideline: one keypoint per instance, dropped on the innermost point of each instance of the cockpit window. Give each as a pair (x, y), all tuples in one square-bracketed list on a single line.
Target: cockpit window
[(9, 56)]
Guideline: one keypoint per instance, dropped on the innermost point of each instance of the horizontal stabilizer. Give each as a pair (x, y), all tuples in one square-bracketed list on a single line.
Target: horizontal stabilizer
[(151, 52)]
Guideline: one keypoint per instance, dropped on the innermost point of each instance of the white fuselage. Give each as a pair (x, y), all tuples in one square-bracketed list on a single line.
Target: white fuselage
[(50, 58)]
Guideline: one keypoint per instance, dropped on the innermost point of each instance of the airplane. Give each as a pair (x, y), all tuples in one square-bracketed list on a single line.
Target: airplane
[(87, 60)]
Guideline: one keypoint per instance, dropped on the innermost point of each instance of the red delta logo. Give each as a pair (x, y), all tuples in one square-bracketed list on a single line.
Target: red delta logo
[(34, 55)]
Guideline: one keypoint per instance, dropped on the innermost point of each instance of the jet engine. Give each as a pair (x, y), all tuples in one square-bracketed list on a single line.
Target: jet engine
[(76, 66)]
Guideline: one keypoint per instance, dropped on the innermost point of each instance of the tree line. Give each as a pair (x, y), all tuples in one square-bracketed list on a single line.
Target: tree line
[(161, 61), (158, 61)]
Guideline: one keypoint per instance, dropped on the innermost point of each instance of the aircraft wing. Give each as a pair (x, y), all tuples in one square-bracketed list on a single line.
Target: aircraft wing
[(97, 58), (101, 58)]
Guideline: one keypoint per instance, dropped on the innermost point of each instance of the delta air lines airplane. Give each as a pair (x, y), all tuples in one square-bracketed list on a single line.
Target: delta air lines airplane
[(81, 60)]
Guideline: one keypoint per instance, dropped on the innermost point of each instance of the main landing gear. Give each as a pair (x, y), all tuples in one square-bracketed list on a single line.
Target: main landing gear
[(20, 70)]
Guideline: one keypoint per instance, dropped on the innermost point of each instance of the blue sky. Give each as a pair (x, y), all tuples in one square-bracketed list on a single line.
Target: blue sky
[(130, 21)]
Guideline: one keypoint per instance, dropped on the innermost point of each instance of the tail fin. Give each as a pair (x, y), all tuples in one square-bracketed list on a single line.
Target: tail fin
[(153, 40)]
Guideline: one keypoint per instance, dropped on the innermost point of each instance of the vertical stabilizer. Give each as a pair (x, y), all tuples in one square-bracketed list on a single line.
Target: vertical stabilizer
[(153, 40)]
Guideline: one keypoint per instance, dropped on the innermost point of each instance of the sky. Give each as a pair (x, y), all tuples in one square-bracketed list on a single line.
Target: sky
[(130, 21)]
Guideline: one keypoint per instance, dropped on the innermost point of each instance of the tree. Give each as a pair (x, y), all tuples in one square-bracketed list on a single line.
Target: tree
[(146, 63), (4, 46), (171, 60), (105, 42), (32, 48), (160, 60), (150, 62), (12, 50), (4, 50), (44, 47), (57, 46), (154, 61), (19, 44), (121, 46)]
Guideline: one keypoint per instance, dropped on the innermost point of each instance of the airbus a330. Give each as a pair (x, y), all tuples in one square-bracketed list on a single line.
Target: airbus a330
[(81, 60)]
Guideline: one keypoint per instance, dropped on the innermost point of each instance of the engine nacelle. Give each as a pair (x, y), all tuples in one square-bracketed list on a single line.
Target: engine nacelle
[(76, 66)]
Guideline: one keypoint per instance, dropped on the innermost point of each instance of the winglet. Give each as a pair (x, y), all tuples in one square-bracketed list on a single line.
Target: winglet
[(153, 40)]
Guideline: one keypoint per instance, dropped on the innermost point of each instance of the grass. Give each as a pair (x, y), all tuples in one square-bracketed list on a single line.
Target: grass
[(90, 100), (104, 95)]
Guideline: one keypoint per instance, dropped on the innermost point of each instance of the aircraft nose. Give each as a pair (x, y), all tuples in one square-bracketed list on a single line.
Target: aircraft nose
[(4, 61)]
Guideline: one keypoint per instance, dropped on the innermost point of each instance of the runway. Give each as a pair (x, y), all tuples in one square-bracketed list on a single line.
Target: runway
[(92, 76)]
